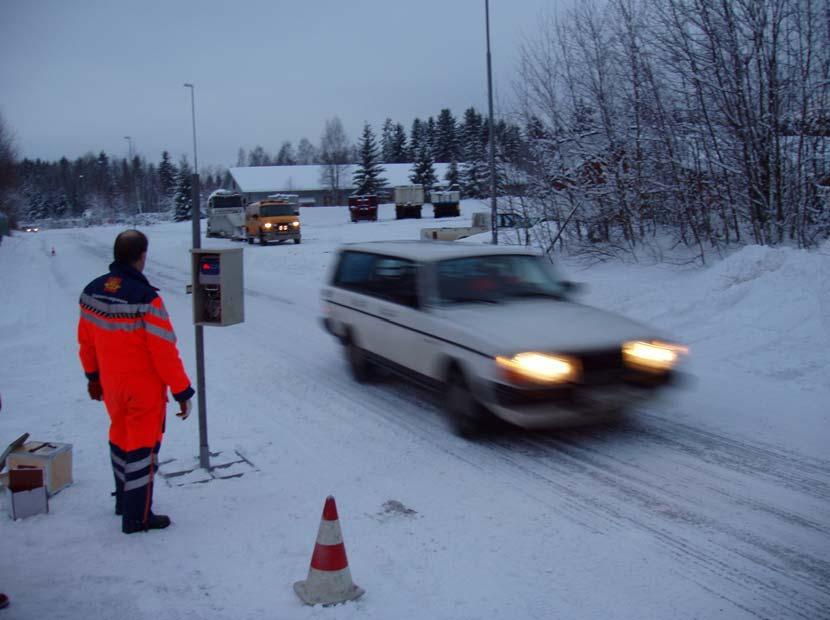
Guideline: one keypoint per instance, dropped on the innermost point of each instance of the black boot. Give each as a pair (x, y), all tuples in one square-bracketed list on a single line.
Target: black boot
[(153, 522)]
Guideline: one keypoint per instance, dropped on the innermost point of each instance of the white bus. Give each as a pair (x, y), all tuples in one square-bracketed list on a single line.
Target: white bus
[(226, 215)]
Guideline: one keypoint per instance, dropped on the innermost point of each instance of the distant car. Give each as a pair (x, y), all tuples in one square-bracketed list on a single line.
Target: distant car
[(30, 228), (494, 330)]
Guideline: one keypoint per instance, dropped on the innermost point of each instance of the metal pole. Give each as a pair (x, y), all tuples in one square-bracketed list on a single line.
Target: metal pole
[(193, 116), (129, 147), (493, 205), (195, 211)]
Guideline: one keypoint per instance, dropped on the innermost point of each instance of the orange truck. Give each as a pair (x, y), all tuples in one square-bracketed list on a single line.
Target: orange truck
[(272, 219)]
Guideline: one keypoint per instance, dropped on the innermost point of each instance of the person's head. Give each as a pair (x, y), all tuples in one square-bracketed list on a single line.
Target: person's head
[(131, 249)]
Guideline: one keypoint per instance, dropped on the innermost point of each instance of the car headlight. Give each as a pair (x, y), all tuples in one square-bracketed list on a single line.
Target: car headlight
[(652, 356), (538, 368), (295, 224), (267, 225)]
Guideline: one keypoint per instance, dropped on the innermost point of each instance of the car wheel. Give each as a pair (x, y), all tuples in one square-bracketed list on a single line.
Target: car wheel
[(250, 240), (296, 241), (262, 241), (462, 408), (362, 369)]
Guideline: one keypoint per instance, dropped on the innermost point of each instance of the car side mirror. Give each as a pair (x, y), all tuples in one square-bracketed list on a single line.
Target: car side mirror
[(255, 216)]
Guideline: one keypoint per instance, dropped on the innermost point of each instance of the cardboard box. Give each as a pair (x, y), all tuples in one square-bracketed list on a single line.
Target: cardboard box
[(26, 494), (55, 459)]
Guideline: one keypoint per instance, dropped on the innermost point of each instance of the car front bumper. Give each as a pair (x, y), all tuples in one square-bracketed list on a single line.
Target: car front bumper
[(276, 235), (567, 406)]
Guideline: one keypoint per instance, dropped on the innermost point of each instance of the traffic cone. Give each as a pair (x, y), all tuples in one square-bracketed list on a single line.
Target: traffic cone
[(329, 580)]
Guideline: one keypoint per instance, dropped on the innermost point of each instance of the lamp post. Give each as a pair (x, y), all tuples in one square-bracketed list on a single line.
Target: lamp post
[(129, 147), (204, 452), (493, 205), (193, 117)]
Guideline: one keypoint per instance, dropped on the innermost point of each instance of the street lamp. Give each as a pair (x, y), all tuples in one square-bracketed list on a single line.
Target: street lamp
[(204, 451), (493, 206), (193, 116), (129, 147)]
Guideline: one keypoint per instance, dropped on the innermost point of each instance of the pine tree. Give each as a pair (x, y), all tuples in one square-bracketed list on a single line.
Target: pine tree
[(183, 199), (166, 175), (366, 178), (423, 171), (285, 156), (429, 136), (399, 147), (259, 157), (446, 139), (387, 141), (475, 172), (452, 176), (416, 139)]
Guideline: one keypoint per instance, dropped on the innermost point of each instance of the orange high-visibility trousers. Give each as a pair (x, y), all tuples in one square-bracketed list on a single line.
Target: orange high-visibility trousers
[(136, 405)]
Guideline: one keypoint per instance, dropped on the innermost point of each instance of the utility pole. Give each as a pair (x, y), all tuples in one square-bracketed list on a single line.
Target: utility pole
[(204, 451), (493, 203)]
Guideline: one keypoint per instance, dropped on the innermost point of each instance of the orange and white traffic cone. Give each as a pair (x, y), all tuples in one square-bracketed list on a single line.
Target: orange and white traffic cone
[(329, 580)]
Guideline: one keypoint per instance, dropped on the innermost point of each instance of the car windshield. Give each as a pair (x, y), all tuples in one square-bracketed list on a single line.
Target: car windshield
[(496, 278), (271, 210)]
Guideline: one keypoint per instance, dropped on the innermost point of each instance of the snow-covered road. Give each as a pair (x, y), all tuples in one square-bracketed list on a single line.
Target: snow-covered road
[(712, 503)]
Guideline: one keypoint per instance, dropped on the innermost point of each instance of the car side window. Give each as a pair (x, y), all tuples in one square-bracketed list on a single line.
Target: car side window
[(394, 279), (355, 271)]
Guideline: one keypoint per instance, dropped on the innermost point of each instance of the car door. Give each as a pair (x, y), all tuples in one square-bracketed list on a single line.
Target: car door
[(399, 310), (353, 298)]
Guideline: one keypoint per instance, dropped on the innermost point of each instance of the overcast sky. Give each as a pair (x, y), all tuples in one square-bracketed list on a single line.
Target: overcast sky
[(78, 76)]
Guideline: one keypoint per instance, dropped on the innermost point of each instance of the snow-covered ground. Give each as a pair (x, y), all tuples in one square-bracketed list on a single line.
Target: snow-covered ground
[(712, 503)]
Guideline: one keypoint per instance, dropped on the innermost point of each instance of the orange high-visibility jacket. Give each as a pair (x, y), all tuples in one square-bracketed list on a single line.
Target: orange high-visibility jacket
[(124, 331)]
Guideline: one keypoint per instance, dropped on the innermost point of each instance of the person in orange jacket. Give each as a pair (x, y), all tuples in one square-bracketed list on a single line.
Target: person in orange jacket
[(128, 352)]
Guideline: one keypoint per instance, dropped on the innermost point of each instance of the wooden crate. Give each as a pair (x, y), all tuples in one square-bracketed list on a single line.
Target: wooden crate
[(54, 458)]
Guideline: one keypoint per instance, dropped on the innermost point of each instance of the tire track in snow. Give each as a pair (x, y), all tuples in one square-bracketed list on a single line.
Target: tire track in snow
[(798, 584)]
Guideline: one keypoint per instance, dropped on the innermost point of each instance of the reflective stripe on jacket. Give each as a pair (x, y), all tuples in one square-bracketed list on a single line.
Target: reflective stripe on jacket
[(125, 329)]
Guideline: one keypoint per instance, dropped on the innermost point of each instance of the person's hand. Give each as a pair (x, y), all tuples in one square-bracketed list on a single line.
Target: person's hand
[(185, 406), (96, 392)]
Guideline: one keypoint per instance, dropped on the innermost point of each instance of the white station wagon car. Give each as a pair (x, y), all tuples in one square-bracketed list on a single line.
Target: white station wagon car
[(494, 330)]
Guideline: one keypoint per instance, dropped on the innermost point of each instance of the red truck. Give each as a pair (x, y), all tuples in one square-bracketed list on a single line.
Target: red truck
[(363, 207)]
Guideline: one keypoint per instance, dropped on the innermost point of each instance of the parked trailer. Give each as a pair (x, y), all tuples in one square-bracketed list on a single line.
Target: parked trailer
[(480, 224), (408, 201), (226, 215), (446, 204), (364, 207)]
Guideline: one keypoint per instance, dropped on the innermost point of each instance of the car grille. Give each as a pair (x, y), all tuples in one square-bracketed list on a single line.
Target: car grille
[(601, 367), (509, 396)]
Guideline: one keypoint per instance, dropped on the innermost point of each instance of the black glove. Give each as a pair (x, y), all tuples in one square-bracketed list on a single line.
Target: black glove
[(184, 408), (96, 392)]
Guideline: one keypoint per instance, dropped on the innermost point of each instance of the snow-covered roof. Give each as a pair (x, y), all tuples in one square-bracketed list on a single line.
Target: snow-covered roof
[(254, 179), (436, 250)]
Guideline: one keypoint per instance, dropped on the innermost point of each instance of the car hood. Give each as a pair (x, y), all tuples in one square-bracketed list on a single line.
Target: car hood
[(547, 325)]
